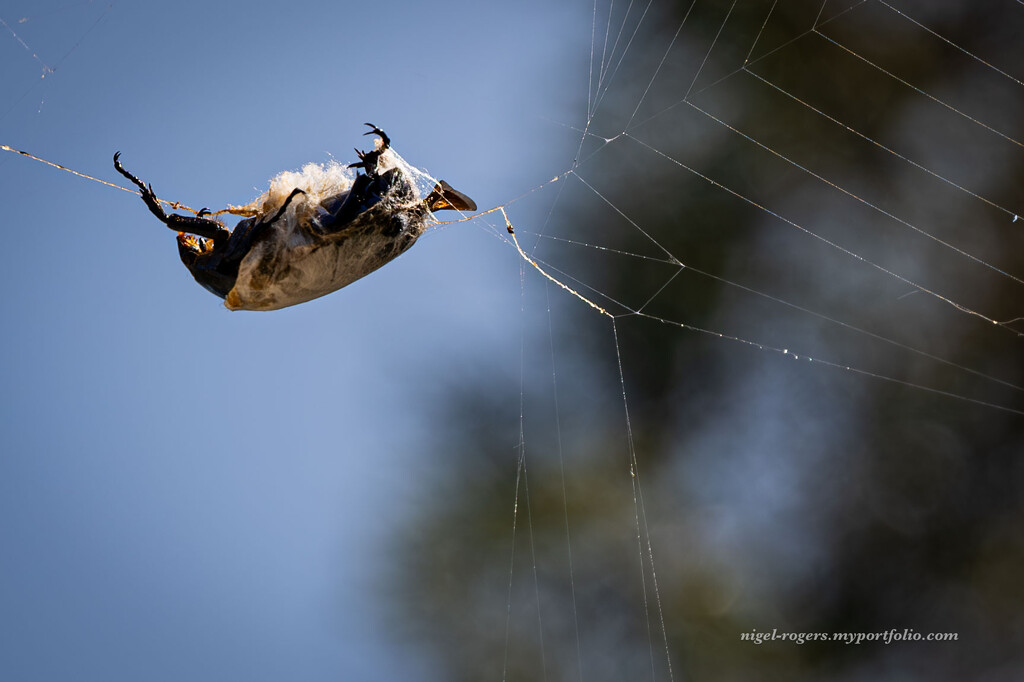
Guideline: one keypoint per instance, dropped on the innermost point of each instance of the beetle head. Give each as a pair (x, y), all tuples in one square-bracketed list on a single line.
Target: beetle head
[(445, 197)]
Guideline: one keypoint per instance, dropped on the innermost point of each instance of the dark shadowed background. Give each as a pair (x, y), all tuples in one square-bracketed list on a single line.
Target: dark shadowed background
[(431, 474)]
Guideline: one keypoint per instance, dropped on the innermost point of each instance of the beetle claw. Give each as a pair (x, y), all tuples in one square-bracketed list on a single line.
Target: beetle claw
[(192, 225), (384, 139), (368, 160), (365, 160)]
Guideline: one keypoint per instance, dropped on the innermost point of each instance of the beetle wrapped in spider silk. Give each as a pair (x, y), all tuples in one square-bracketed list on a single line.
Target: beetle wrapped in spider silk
[(311, 233)]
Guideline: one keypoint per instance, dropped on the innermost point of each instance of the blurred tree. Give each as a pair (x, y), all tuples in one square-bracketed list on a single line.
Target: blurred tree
[(774, 493)]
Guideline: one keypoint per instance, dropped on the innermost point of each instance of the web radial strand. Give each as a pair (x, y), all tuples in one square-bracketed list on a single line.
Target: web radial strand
[(661, 65), (565, 495), (536, 579), (757, 38), (848, 252), (711, 49), (604, 48), (952, 44), (520, 476), (918, 90), (864, 201), (889, 150), (739, 69), (672, 260), (520, 470), (643, 531), (607, 72), (639, 312)]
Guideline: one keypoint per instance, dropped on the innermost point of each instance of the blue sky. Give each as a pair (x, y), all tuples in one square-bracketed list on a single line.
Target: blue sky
[(189, 493)]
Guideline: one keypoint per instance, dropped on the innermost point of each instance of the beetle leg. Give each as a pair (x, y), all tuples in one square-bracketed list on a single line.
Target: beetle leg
[(362, 163), (385, 140), (284, 206), (368, 160), (257, 230), (204, 227)]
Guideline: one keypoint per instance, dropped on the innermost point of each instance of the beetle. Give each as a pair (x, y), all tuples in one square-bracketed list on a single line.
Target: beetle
[(329, 231)]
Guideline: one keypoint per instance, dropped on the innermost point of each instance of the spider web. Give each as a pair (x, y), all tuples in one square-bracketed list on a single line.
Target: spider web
[(883, 246), (779, 305)]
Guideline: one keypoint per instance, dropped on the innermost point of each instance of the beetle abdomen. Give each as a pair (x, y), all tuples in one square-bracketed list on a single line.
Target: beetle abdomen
[(278, 272)]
